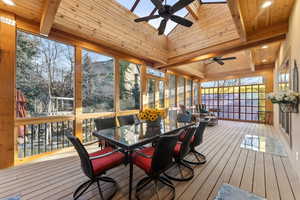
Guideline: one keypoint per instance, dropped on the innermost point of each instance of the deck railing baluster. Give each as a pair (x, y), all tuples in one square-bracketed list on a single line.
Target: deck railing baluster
[(31, 139), (39, 131), (63, 134)]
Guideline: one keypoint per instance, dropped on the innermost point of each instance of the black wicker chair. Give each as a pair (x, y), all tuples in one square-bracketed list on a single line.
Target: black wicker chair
[(155, 161), (128, 120), (94, 165), (104, 123), (181, 150), (196, 141)]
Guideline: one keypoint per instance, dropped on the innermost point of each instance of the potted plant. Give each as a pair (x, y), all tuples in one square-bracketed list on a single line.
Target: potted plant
[(287, 100), (152, 116)]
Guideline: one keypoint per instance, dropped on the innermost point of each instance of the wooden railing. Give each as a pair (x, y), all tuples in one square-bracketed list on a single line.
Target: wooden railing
[(38, 138)]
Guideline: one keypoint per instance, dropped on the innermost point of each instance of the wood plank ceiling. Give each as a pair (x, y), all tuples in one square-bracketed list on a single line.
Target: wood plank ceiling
[(110, 24), (214, 26), (29, 9), (256, 18)]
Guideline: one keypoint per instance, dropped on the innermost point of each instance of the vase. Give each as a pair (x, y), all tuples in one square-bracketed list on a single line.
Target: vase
[(155, 123), (288, 107)]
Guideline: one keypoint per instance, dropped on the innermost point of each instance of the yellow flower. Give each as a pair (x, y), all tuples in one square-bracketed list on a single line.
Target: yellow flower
[(153, 117)]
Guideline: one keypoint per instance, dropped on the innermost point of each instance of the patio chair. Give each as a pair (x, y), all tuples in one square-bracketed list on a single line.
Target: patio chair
[(128, 120), (181, 150), (155, 161), (104, 123), (197, 139), (95, 165)]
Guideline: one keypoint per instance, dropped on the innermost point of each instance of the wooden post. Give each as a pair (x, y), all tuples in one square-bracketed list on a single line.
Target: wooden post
[(176, 91), (143, 86), (117, 86), (8, 144), (78, 93)]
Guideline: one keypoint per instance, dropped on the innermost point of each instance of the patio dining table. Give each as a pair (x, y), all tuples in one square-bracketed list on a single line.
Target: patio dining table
[(131, 137)]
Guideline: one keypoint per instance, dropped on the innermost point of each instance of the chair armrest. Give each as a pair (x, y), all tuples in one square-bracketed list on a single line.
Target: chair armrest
[(104, 155), (142, 154)]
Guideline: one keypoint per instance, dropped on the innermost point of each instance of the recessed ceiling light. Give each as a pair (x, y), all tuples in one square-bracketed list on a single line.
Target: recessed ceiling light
[(264, 60), (264, 47), (266, 4), (9, 2)]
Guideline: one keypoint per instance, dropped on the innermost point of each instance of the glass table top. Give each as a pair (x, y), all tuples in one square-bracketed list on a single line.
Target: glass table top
[(129, 136)]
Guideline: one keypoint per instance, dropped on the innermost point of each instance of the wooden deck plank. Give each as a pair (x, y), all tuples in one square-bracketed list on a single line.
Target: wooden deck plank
[(283, 182), (247, 180), (237, 174), (259, 186), (264, 174), (272, 190), (292, 176)]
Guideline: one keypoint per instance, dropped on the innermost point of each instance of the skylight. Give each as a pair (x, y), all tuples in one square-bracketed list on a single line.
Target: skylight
[(213, 1), (145, 8)]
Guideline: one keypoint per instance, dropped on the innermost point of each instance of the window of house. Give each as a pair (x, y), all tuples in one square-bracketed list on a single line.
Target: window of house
[(44, 76), (98, 82), (172, 88), (188, 92), (151, 92), (161, 94), (241, 99), (129, 86), (196, 92), (180, 91)]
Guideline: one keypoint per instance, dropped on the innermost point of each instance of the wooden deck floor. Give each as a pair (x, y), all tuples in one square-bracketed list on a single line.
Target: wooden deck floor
[(266, 175)]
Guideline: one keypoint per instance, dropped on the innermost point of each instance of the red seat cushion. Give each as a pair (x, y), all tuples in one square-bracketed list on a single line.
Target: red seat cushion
[(182, 135), (177, 148), (100, 165), (143, 162), (192, 140)]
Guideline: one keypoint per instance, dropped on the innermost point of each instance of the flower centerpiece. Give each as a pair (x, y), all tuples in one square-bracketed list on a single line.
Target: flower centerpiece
[(152, 116), (287, 100)]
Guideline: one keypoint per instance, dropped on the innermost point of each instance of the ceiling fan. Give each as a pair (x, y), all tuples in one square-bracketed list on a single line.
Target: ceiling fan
[(220, 60), (167, 12)]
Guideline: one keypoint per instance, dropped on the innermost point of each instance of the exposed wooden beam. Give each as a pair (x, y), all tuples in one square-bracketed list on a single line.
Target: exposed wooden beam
[(265, 66), (273, 34), (48, 16), (184, 73), (252, 61), (193, 9), (234, 6)]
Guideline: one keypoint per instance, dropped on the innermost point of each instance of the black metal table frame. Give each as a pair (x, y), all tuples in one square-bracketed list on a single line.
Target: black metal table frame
[(130, 148)]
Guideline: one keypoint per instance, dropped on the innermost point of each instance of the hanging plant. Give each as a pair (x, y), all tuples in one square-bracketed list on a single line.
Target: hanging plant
[(288, 100)]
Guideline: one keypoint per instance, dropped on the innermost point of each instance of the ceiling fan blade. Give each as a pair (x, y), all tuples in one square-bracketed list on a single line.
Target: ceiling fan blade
[(162, 27), (220, 62), (229, 58), (158, 4), (181, 20), (181, 4), (142, 19)]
